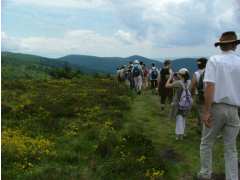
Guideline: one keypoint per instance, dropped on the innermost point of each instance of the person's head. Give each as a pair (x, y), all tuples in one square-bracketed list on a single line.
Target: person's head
[(183, 74), (228, 41), (153, 65), (141, 63), (167, 63), (201, 63), (136, 62)]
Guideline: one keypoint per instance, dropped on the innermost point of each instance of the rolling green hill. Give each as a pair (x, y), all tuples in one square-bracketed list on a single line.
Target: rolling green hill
[(105, 64), (19, 65)]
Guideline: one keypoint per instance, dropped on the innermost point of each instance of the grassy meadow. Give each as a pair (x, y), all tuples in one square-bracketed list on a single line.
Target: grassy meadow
[(66, 125)]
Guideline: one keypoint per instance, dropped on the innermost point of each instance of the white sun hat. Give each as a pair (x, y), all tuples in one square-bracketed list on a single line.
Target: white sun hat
[(183, 71), (136, 62)]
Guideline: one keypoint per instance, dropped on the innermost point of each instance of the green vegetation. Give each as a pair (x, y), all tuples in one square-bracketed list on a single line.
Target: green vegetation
[(75, 126), (53, 128), (181, 158)]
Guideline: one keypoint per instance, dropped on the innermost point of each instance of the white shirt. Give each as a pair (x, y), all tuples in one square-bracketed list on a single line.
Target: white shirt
[(151, 70), (198, 73), (224, 71)]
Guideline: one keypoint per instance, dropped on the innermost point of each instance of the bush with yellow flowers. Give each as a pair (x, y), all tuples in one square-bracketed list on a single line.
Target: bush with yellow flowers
[(24, 151)]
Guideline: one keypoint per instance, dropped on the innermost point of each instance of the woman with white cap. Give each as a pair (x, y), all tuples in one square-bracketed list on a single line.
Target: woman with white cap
[(179, 113)]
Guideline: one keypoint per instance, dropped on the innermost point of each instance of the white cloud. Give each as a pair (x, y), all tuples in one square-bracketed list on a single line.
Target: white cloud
[(126, 37), (62, 3), (176, 23), (9, 43), (91, 43), (154, 28)]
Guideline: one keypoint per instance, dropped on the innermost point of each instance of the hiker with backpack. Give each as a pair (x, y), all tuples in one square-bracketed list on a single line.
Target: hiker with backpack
[(221, 103), (137, 74), (182, 100), (197, 87), (164, 92), (153, 76)]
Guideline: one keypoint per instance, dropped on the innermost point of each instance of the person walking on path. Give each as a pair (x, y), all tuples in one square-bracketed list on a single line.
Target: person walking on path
[(165, 93), (145, 76), (130, 76), (222, 99), (153, 75), (137, 76), (197, 87), (182, 87)]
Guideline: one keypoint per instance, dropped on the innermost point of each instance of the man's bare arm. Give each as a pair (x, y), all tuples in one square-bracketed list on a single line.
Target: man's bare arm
[(208, 98)]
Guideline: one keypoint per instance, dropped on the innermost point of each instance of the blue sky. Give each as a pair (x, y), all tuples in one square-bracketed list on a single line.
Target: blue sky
[(152, 28)]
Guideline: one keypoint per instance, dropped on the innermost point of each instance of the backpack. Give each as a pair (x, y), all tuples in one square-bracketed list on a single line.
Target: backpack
[(185, 101), (200, 87), (154, 74), (136, 71)]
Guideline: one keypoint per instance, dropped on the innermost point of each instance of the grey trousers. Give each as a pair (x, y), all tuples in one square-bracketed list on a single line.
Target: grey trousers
[(225, 120)]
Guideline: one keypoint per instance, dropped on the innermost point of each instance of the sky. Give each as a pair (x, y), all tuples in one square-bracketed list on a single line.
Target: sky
[(151, 28)]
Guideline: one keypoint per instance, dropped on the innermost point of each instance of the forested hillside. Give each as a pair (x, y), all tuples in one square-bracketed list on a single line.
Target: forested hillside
[(83, 63)]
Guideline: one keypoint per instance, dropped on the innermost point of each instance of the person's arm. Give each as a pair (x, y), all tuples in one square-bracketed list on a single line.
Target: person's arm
[(168, 83), (208, 95), (209, 80), (193, 85)]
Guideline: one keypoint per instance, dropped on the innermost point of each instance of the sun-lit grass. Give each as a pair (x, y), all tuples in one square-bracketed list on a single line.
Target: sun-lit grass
[(155, 124)]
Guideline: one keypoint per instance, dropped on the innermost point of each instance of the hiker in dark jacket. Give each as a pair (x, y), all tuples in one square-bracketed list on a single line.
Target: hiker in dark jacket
[(221, 103), (165, 93), (153, 76)]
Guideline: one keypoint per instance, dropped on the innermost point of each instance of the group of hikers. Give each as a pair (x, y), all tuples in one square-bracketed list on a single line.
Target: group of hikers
[(215, 87)]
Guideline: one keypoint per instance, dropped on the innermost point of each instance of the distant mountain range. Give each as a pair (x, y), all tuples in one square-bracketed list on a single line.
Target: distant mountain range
[(91, 64)]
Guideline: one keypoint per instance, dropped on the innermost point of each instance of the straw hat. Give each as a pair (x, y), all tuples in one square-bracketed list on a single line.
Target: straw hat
[(228, 38)]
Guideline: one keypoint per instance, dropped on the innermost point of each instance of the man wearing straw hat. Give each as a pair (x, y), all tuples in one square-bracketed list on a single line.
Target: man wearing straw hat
[(222, 99)]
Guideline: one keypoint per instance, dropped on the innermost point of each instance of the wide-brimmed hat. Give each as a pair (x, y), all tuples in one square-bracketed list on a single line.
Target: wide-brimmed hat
[(228, 38)]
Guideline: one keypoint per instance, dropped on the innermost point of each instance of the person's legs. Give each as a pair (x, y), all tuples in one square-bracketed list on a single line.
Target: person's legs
[(199, 117), (140, 83), (155, 84), (179, 126), (135, 83), (230, 133), (208, 137), (184, 124), (152, 84), (163, 98)]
